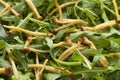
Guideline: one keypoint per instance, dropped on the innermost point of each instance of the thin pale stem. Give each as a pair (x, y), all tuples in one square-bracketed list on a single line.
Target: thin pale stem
[(62, 6), (64, 21), (4, 13), (114, 54), (31, 33), (100, 26), (116, 8), (42, 69), (28, 41), (33, 8), (9, 8), (85, 59), (15, 72), (36, 50), (59, 9), (88, 42), (4, 10), (103, 61), (67, 52), (37, 70), (48, 68)]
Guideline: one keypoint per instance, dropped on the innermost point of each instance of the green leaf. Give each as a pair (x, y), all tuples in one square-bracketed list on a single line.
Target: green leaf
[(76, 56), (11, 18), (2, 44), (91, 52), (18, 39), (49, 42), (38, 2), (20, 58), (25, 76), (114, 46), (4, 62), (1, 79), (60, 34), (113, 75), (2, 32), (40, 23), (52, 76)]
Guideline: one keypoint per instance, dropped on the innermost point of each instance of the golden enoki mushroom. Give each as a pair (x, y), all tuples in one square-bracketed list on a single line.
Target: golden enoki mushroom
[(66, 42), (14, 68), (67, 22), (5, 70), (100, 26), (9, 8), (103, 61), (28, 32), (69, 51), (33, 8), (116, 11), (46, 67)]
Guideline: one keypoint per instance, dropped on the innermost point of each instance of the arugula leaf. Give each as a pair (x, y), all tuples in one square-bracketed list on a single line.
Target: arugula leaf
[(51, 76), (20, 58)]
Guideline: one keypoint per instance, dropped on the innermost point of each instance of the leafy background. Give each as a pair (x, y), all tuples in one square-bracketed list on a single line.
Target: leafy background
[(93, 11)]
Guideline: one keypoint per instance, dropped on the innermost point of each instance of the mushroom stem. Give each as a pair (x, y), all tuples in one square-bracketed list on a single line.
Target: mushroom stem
[(36, 50), (37, 70), (85, 59), (114, 54), (90, 43), (68, 52), (62, 6), (45, 62), (28, 41), (9, 8), (33, 8), (116, 9), (48, 68), (64, 21), (59, 9), (5, 70), (66, 42), (4, 11), (70, 24), (28, 31), (15, 72), (103, 61), (100, 26)]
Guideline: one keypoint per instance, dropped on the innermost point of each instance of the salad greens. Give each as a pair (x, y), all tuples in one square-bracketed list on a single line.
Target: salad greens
[(59, 40)]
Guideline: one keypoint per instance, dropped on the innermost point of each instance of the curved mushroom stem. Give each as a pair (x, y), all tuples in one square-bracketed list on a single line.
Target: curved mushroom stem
[(48, 68), (5, 70), (100, 26), (15, 72), (116, 8), (69, 51), (9, 8), (65, 21), (59, 9), (103, 61), (33, 8), (31, 33), (4, 11), (88, 42)]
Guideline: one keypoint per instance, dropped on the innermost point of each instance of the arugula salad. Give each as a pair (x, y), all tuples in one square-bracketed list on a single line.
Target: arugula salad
[(59, 40)]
